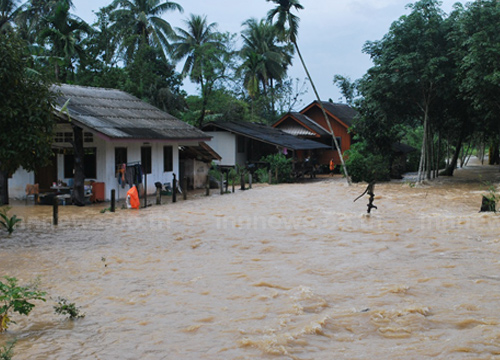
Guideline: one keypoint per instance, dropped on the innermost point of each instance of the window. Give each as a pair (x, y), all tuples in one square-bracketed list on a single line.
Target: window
[(89, 163), (59, 138), (168, 158), (120, 156), (67, 137), (88, 137), (146, 159), (339, 141)]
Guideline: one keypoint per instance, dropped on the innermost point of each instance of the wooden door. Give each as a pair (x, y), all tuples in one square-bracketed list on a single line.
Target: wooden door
[(46, 175)]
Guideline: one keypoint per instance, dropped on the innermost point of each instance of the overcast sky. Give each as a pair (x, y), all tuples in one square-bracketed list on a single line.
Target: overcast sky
[(331, 32)]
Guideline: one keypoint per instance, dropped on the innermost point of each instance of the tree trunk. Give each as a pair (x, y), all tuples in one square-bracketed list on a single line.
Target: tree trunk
[(273, 107), (78, 196), (423, 152), (430, 149), (4, 188), (494, 153), (453, 164), (324, 114), (438, 150), (204, 92)]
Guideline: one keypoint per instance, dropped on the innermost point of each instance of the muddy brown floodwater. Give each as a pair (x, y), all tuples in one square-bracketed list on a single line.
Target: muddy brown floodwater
[(278, 272)]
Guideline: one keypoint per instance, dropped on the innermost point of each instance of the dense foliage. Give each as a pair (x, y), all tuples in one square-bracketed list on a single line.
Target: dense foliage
[(364, 165), (433, 75), (25, 112), (280, 166)]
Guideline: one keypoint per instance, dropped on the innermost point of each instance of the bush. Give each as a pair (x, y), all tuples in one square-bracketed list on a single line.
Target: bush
[(16, 298), (262, 175), (282, 164), (366, 166), (8, 222), (63, 307), (7, 351)]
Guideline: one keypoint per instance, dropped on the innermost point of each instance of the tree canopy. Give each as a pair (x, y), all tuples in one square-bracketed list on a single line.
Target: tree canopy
[(436, 73), (25, 113)]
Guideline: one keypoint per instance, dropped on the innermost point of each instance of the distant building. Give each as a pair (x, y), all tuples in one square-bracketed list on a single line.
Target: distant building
[(310, 123), (240, 143)]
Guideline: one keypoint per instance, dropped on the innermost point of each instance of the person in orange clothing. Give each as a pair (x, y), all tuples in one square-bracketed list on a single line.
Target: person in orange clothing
[(133, 198), (332, 167)]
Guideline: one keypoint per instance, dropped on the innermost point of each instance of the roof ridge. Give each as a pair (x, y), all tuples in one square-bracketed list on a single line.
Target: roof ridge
[(90, 87)]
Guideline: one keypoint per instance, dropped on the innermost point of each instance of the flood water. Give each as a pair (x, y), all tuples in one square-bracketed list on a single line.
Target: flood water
[(292, 271)]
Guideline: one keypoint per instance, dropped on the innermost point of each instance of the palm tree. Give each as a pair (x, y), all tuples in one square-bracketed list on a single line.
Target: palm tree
[(33, 18), (287, 25), (252, 70), (201, 48), (64, 32), (8, 12), (139, 22), (260, 38)]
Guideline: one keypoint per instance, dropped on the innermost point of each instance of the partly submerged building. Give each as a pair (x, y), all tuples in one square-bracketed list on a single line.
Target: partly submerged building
[(310, 124), (118, 129), (241, 143)]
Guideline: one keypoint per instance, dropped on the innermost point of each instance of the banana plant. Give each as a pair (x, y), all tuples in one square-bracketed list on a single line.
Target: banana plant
[(8, 222)]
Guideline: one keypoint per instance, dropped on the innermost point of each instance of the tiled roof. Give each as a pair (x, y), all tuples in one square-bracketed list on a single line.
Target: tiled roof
[(343, 112), (119, 115), (267, 134)]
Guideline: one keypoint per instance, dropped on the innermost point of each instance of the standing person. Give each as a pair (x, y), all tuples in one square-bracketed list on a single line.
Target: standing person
[(332, 167)]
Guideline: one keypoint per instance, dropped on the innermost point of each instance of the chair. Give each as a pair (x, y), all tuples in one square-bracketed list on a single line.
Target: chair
[(32, 190)]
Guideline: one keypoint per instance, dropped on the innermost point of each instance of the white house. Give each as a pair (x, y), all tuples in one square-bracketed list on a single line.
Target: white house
[(118, 129), (239, 143)]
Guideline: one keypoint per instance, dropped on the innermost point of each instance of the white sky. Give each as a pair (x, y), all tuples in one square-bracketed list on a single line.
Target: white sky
[(331, 33)]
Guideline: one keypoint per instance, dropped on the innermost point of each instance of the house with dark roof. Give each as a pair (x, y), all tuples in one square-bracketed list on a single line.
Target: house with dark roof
[(240, 143), (118, 128), (310, 124)]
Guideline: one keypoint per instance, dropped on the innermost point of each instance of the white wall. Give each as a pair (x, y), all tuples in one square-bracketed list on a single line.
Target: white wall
[(106, 172), (18, 182), (224, 143), (133, 155), (196, 171)]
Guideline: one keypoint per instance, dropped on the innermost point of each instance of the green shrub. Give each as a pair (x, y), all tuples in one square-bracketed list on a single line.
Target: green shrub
[(366, 166), (282, 164), (262, 175), (16, 298), (8, 222), (7, 351), (63, 307)]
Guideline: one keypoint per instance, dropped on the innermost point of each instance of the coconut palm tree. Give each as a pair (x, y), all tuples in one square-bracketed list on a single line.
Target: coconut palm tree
[(252, 71), (201, 48), (64, 33), (139, 22), (287, 25), (33, 18), (8, 12), (260, 38)]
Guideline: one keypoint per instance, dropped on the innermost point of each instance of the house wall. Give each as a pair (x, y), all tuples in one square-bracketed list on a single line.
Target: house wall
[(18, 182), (108, 171), (105, 166), (196, 171), (339, 130), (224, 143)]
